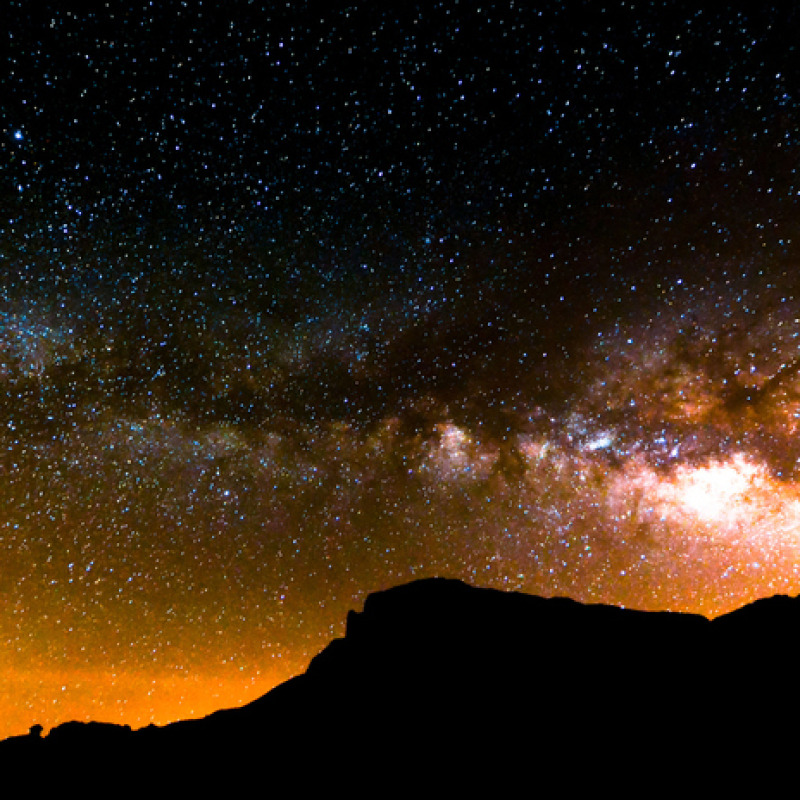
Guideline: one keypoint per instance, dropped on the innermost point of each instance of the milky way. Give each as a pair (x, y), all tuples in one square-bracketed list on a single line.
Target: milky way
[(301, 303)]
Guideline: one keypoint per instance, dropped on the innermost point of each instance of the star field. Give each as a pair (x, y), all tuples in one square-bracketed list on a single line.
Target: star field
[(299, 301)]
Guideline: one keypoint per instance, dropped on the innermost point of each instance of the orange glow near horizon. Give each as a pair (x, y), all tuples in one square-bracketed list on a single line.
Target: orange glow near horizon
[(133, 698)]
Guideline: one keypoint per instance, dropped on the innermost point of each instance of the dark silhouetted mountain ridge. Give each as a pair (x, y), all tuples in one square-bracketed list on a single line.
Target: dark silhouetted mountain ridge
[(445, 681)]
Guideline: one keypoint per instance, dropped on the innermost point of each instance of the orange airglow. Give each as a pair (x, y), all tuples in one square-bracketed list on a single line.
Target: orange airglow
[(135, 698)]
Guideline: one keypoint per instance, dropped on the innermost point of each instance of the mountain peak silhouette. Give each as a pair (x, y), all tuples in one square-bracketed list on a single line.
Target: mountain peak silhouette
[(439, 679)]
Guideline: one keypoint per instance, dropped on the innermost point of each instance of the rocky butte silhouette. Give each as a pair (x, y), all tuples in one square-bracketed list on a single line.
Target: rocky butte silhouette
[(439, 682)]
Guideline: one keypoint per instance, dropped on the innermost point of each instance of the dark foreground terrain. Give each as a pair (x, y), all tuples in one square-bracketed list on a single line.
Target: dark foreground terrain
[(436, 682)]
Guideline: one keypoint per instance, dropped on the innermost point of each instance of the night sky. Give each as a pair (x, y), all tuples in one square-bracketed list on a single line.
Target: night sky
[(299, 301)]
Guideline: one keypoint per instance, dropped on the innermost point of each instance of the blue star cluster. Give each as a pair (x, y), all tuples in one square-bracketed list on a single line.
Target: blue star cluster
[(302, 300)]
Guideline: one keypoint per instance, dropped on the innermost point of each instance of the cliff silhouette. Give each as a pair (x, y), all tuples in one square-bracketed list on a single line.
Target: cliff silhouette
[(441, 682)]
